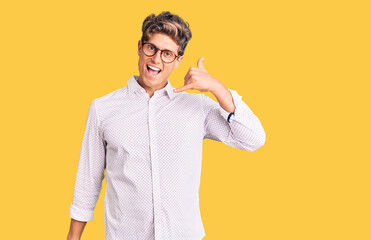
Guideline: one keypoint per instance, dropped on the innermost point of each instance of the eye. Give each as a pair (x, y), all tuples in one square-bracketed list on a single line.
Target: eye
[(167, 54), (151, 48)]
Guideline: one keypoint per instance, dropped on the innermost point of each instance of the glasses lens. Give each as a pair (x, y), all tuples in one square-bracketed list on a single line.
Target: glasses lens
[(149, 49), (168, 56)]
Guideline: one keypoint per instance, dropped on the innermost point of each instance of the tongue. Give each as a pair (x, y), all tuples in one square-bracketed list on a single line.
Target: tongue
[(152, 72)]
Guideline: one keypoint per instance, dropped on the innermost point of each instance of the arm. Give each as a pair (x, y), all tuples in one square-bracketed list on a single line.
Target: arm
[(224, 98), (242, 131), (90, 174), (76, 229)]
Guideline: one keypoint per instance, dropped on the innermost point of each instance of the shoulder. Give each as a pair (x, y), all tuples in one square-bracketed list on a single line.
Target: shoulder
[(109, 98)]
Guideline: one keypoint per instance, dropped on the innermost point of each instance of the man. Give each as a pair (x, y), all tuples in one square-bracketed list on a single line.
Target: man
[(148, 137)]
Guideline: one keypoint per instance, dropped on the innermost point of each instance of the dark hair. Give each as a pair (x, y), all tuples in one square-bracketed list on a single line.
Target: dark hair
[(169, 24)]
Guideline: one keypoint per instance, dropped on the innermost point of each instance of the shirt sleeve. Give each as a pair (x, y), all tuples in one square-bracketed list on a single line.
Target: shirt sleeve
[(242, 131), (90, 171)]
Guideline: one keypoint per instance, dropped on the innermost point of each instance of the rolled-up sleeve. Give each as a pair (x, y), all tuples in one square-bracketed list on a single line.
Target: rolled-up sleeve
[(242, 131), (90, 171)]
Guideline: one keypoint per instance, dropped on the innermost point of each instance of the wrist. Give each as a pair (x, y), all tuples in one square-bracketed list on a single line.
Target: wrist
[(72, 237), (218, 87)]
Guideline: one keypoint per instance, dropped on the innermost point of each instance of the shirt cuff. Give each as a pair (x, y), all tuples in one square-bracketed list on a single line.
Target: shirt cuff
[(236, 100), (80, 214)]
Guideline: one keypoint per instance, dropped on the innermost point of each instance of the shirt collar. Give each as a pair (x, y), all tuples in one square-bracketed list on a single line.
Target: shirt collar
[(133, 86)]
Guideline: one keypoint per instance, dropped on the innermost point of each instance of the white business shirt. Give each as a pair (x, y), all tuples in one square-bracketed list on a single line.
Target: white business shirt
[(151, 149)]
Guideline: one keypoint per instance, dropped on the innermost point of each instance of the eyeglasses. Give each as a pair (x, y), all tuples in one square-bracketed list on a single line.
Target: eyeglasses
[(150, 50)]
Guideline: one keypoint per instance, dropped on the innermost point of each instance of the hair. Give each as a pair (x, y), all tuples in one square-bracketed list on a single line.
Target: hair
[(170, 24)]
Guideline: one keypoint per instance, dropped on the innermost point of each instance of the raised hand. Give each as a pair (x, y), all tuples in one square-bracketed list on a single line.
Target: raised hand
[(199, 79)]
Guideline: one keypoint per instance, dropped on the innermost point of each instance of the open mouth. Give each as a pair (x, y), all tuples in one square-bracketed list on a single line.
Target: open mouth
[(153, 71)]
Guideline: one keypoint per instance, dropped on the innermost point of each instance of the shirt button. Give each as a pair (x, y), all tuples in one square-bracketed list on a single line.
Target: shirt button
[(157, 220)]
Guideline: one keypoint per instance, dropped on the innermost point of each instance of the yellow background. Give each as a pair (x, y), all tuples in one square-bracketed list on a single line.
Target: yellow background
[(303, 67)]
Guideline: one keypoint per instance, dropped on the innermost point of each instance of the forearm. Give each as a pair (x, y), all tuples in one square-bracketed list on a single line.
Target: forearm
[(76, 229), (224, 98)]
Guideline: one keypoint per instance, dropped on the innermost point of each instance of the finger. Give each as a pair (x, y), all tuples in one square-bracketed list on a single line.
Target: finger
[(184, 88), (186, 76), (190, 73), (200, 64), (190, 80)]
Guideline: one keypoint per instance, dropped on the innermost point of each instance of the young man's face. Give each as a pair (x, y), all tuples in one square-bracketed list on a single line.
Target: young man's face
[(148, 79)]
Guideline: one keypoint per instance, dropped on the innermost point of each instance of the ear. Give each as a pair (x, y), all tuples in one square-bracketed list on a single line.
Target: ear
[(177, 62), (139, 46)]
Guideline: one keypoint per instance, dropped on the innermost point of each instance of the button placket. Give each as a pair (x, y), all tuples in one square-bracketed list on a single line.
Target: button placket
[(154, 164)]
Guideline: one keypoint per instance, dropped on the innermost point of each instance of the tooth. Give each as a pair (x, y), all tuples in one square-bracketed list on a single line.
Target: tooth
[(156, 69)]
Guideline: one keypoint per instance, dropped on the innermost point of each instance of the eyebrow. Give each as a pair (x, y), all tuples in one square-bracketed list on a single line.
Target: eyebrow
[(162, 49)]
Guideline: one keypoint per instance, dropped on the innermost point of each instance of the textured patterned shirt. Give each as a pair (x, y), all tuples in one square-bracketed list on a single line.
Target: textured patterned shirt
[(151, 150)]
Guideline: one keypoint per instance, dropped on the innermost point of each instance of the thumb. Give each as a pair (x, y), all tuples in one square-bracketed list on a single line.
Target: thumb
[(200, 64)]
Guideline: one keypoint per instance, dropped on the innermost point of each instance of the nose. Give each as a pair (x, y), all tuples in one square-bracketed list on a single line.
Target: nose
[(157, 57)]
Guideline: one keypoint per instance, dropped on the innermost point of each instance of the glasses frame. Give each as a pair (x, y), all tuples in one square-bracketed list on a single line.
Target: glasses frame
[(156, 50)]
